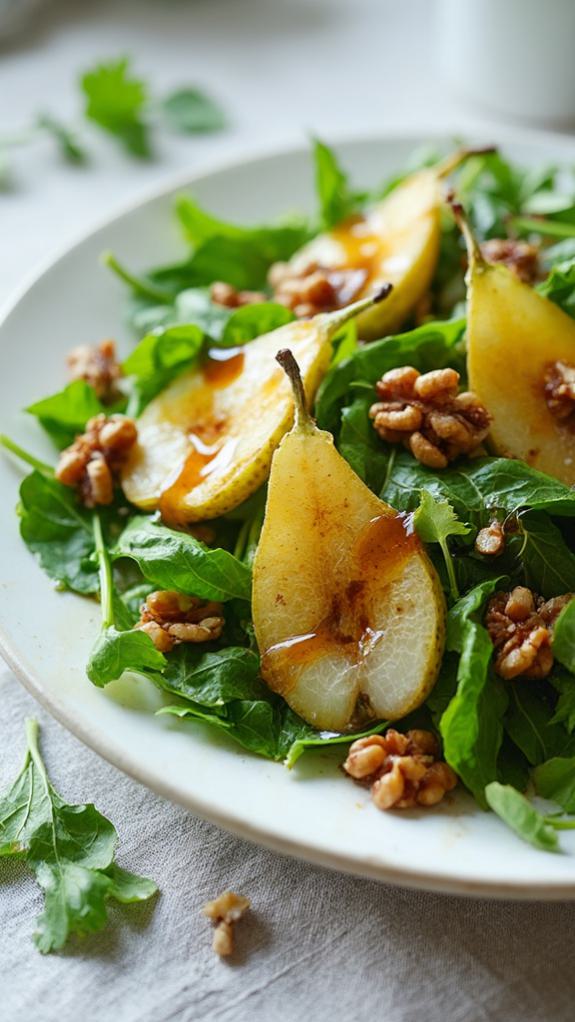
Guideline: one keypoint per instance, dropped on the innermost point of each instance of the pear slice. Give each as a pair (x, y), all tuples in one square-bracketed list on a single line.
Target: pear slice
[(205, 444), (514, 335), (348, 612), (396, 240)]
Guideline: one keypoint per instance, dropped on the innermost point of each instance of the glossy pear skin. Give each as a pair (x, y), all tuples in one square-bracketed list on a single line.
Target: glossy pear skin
[(513, 334), (346, 603), (240, 412), (397, 241)]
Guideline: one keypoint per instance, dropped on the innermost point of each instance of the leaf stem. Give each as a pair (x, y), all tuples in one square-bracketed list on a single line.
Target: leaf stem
[(453, 587), (552, 821), (140, 286), (19, 452), (32, 734), (553, 228), (106, 586)]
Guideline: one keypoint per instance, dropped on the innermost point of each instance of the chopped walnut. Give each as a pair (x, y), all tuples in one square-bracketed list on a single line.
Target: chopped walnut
[(225, 911), (520, 625), (315, 288), (519, 256), (95, 457), (491, 539), (559, 389), (98, 366), (170, 618), (225, 294), (402, 770), (427, 415)]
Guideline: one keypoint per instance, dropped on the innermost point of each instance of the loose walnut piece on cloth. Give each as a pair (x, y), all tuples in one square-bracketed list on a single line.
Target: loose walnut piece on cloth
[(98, 366), (170, 618), (427, 415), (559, 389), (520, 625), (519, 256), (92, 461), (402, 770), (225, 912), (229, 296)]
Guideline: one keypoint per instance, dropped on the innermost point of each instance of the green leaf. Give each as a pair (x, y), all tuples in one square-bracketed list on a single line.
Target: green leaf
[(360, 445), (518, 813), (191, 111), (175, 560), (564, 683), (70, 849), (559, 286), (530, 725), (213, 678), (322, 739), (251, 321), (158, 359), (563, 642), (65, 414), (431, 346), (471, 726), (58, 532), (555, 780), (336, 200), (68, 145), (115, 652), (478, 487), (195, 306), (548, 563), (115, 102), (435, 521)]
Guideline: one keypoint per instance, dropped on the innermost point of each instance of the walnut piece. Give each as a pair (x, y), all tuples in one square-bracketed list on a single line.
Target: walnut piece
[(229, 296), (427, 415), (98, 366), (170, 618), (315, 288), (491, 539), (520, 625), (95, 457), (402, 770), (225, 912), (519, 256), (559, 390)]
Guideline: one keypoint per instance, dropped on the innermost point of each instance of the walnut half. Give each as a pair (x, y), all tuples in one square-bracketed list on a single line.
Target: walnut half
[(170, 618), (520, 625), (402, 770)]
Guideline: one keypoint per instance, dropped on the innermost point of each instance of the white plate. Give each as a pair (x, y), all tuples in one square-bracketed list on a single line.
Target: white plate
[(311, 812)]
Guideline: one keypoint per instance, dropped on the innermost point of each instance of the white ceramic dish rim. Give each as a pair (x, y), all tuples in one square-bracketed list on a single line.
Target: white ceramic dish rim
[(549, 890)]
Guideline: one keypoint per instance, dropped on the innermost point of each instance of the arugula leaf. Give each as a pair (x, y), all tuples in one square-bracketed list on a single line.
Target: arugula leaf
[(336, 200), (548, 563), (58, 532), (322, 739), (530, 725), (68, 145), (64, 415), (471, 726), (191, 111), (564, 683), (518, 813), (276, 242), (213, 678), (360, 445), (563, 641), (435, 521), (175, 560), (70, 849), (555, 780), (479, 486), (158, 359), (116, 651), (431, 346), (251, 321), (115, 102), (559, 286)]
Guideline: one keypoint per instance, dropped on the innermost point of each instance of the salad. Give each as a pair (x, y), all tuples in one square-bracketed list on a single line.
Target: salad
[(389, 567)]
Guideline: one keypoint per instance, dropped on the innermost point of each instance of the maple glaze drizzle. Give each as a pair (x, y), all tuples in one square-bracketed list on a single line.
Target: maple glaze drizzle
[(223, 366), (361, 246), (378, 555)]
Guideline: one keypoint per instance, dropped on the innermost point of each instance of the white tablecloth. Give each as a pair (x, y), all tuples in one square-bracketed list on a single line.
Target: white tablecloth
[(317, 945)]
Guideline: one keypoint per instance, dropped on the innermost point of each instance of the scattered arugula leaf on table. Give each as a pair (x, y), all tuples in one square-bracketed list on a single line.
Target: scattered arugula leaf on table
[(115, 101), (69, 848), (191, 111)]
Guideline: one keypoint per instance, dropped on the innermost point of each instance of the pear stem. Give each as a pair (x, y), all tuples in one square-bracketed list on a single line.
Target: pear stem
[(286, 359), (450, 163), (473, 251), (335, 320)]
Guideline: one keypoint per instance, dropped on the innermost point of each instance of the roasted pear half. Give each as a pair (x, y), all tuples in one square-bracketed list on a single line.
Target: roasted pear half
[(396, 240), (205, 444), (347, 608), (518, 344)]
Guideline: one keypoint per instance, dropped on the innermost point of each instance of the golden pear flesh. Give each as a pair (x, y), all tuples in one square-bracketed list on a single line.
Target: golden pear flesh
[(347, 608)]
